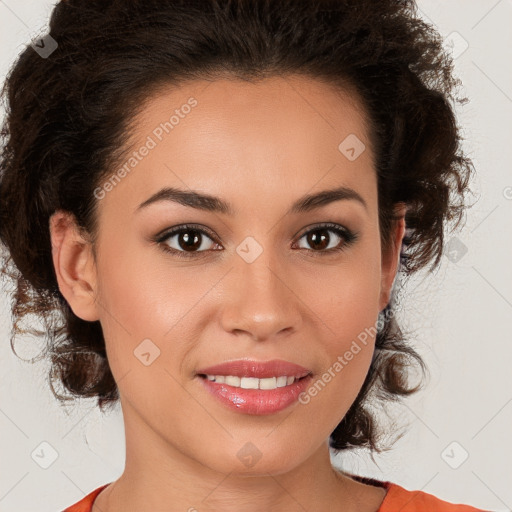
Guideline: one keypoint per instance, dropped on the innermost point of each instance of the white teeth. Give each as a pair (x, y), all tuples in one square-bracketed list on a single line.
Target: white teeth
[(270, 383), (249, 383), (282, 381), (231, 380), (252, 382)]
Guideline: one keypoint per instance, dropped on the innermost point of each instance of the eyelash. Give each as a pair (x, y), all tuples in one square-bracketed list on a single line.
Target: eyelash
[(348, 236)]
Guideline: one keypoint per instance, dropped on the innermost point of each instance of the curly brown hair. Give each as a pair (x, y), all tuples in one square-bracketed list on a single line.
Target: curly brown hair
[(69, 118)]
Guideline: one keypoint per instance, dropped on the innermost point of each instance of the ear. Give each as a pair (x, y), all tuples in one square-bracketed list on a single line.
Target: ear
[(74, 265), (391, 257)]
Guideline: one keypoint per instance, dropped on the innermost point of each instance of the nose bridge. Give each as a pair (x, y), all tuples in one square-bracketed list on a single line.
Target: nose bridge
[(260, 301)]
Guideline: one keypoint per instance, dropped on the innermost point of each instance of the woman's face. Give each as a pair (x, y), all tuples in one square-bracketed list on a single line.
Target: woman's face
[(245, 282)]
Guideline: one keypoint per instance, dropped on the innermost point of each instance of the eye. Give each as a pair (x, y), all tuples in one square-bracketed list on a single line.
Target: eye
[(322, 242), (188, 241), (185, 241)]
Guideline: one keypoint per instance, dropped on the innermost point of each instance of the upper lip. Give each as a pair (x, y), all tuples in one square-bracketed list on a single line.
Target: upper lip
[(258, 369)]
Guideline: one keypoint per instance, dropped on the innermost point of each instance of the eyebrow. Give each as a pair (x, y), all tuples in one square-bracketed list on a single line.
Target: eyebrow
[(206, 202)]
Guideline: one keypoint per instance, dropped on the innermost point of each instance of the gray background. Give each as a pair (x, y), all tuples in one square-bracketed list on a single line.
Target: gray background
[(461, 318)]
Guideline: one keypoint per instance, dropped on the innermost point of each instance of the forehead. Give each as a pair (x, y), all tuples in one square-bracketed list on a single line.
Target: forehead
[(228, 136), (233, 105)]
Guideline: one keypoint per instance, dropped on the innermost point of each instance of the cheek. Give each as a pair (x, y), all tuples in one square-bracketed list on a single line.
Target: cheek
[(141, 301), (347, 304), (134, 301), (348, 354), (147, 322), (347, 296)]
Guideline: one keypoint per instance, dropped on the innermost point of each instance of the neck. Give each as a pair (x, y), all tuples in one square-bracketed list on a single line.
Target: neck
[(159, 475)]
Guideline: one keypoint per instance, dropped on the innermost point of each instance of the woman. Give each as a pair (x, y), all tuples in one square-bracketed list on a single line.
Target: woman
[(218, 196)]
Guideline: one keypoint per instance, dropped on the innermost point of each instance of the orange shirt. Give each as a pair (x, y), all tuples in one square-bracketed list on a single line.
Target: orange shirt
[(397, 499)]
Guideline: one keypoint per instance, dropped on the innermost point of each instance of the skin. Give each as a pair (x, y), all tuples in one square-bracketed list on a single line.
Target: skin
[(260, 147)]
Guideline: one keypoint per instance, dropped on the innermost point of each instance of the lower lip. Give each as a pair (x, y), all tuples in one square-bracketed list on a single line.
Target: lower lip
[(257, 401)]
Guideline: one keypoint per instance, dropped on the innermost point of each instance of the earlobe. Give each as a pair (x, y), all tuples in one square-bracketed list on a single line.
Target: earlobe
[(74, 265), (390, 261)]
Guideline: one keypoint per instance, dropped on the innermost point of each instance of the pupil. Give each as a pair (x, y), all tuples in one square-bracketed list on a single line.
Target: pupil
[(190, 242), (314, 240)]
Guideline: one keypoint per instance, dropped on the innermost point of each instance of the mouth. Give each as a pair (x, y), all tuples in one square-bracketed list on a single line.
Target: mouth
[(254, 396)]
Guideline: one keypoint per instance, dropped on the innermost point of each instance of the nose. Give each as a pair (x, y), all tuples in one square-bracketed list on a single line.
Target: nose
[(260, 300)]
